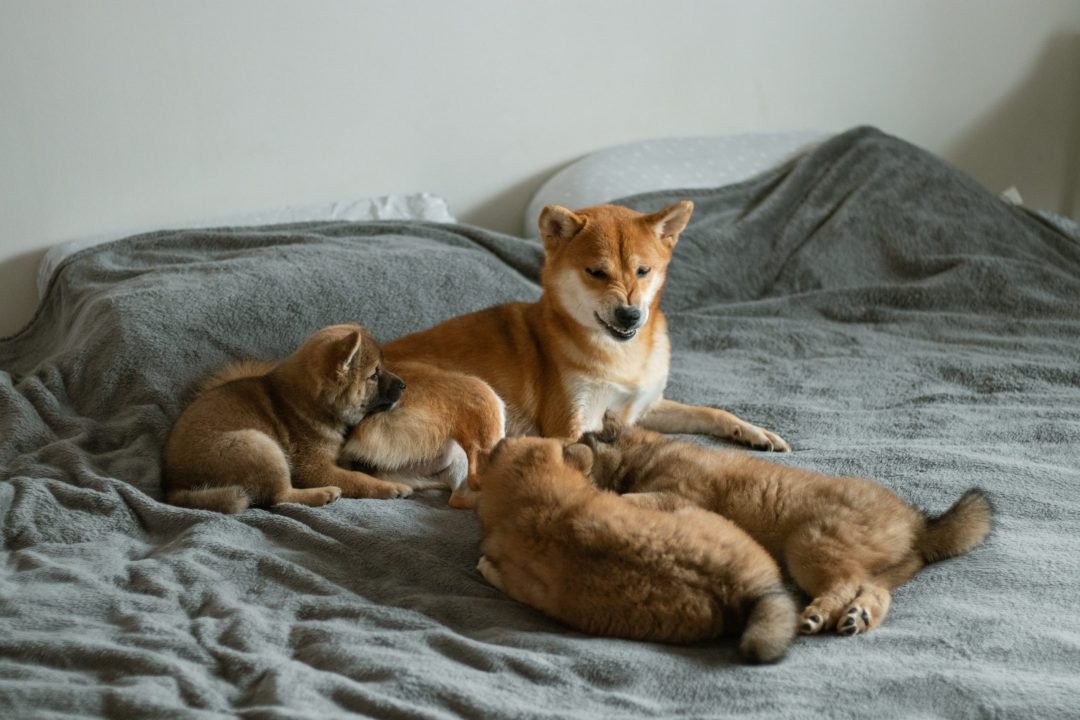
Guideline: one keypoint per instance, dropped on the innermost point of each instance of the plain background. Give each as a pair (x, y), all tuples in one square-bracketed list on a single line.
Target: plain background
[(119, 113)]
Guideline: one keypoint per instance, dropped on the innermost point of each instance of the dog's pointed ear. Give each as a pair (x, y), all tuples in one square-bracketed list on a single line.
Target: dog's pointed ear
[(669, 222), (557, 225), (578, 456), (345, 351)]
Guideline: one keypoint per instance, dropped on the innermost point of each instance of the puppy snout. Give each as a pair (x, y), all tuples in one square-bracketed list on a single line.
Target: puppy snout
[(627, 316), (393, 390), (389, 392)]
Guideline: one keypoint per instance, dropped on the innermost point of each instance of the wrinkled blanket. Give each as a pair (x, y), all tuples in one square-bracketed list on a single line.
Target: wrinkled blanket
[(877, 308)]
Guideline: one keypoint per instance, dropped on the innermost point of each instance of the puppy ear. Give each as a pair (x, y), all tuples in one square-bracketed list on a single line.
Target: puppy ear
[(557, 225), (669, 222), (578, 456), (346, 350)]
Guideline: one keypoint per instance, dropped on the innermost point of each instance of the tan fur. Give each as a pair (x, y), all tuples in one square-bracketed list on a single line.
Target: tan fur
[(605, 565), (847, 542), (557, 363), (440, 404), (265, 433), (236, 371)]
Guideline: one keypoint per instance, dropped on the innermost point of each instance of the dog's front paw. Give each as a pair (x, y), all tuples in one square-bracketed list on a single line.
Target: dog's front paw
[(390, 490), (332, 494), (759, 438)]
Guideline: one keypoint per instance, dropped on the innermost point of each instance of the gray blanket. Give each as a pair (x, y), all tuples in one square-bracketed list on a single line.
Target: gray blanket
[(880, 310)]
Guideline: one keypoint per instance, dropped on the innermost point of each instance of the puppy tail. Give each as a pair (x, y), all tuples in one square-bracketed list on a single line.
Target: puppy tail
[(959, 529), (770, 627), (230, 499)]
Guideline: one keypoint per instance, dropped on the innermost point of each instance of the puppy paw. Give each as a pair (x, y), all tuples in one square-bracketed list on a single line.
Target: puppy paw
[(812, 621), (462, 501), (312, 497), (855, 620), (386, 490), (490, 573), (400, 490)]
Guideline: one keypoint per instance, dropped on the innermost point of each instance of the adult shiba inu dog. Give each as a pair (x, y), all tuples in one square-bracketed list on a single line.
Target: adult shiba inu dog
[(606, 565), (596, 341), (848, 542), (267, 433)]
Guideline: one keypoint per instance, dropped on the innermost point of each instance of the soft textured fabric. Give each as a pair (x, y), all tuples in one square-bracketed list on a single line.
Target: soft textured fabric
[(881, 311)]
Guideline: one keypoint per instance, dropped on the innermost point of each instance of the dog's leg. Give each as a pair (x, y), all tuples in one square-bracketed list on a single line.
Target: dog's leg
[(668, 416), (353, 484)]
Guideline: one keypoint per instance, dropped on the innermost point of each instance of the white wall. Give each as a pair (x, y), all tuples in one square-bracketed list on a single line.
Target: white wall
[(118, 113)]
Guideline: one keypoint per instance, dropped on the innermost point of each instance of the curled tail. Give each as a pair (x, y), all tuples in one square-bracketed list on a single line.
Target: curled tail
[(770, 627), (229, 499), (958, 530)]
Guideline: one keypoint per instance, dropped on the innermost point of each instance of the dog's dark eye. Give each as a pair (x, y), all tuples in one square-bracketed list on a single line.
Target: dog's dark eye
[(596, 273), (374, 375), (643, 271)]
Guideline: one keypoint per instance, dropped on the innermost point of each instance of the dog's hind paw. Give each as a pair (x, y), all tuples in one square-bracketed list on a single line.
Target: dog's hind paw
[(812, 621), (856, 620)]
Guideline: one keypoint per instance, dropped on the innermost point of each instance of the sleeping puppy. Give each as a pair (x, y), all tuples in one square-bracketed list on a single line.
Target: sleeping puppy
[(605, 565), (445, 413), (847, 542), (265, 434)]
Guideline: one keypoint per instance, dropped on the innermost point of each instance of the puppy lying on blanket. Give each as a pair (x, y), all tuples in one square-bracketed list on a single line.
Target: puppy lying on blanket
[(604, 565), (265, 433), (847, 542)]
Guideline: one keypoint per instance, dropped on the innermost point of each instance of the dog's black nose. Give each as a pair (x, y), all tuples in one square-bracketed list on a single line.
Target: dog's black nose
[(399, 385), (627, 316)]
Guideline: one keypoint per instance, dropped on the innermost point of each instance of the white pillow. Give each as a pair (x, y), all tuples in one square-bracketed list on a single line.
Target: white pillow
[(415, 206), (665, 164)]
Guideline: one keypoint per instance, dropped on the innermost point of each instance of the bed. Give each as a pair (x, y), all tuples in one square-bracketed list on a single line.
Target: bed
[(883, 312)]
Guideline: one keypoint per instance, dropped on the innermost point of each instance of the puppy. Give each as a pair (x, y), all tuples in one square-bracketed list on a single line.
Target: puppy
[(847, 542), (604, 565), (418, 437), (264, 434)]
